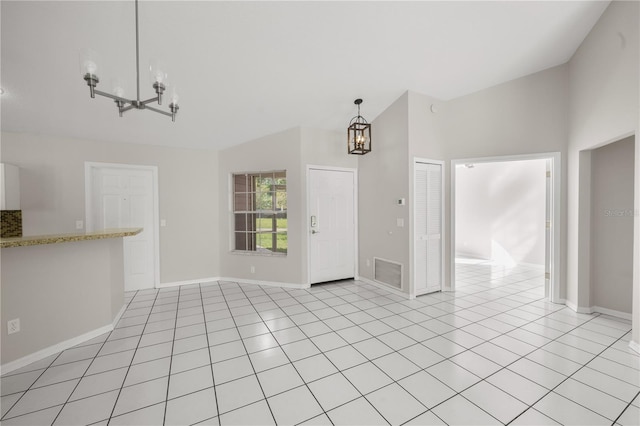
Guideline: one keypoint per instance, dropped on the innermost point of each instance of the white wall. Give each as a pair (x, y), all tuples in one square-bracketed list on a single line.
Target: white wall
[(290, 150), (383, 178), (523, 116), (56, 302), (280, 151), (612, 212), (604, 87), (53, 194), (500, 211)]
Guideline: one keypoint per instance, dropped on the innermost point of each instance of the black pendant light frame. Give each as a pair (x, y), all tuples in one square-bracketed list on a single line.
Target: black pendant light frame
[(358, 134)]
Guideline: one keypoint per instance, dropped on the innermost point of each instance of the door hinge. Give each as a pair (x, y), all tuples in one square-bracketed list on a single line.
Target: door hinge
[(547, 275), (548, 174), (548, 224)]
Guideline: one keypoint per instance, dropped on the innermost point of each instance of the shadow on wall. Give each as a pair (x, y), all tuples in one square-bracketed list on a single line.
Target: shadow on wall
[(500, 211)]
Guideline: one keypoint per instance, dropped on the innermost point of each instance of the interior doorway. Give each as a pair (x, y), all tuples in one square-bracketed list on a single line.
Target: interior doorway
[(126, 196), (607, 215), (505, 213)]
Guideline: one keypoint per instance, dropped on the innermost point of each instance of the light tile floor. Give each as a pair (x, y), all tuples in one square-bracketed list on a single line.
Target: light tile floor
[(495, 352)]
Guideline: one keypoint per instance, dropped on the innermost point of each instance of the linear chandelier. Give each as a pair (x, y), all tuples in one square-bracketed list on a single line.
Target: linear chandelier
[(89, 66)]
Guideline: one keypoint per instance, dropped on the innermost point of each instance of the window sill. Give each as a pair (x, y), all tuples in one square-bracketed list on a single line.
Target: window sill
[(257, 253)]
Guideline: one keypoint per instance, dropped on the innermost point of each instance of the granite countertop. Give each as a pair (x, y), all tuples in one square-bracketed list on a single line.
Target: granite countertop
[(35, 240)]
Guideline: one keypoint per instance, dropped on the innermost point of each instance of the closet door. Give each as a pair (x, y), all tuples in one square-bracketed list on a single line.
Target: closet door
[(428, 214)]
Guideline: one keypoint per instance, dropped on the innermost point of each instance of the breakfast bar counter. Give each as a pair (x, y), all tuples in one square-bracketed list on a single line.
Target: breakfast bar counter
[(63, 289), (65, 238)]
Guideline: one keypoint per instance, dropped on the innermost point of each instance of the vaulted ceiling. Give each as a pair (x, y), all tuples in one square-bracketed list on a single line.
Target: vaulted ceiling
[(248, 69)]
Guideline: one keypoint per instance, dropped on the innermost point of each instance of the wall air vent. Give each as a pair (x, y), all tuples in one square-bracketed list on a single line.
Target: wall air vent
[(387, 272)]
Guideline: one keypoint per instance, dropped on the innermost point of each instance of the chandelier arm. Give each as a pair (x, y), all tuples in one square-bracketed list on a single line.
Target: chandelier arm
[(150, 101), (127, 108), (159, 111), (137, 56), (110, 96)]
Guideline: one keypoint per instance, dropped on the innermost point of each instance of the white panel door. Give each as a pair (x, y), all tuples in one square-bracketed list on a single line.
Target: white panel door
[(123, 198), (428, 227), (331, 225)]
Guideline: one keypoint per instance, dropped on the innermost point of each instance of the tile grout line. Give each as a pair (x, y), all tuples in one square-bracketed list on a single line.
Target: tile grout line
[(250, 362), (213, 379), (350, 296), (102, 344), (115, 404), (173, 345), (625, 409), (339, 371)]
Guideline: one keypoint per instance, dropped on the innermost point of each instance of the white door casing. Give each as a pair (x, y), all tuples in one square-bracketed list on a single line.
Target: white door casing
[(123, 196), (548, 209), (331, 224), (428, 224)]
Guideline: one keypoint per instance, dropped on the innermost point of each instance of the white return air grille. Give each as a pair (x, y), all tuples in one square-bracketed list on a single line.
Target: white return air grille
[(387, 272)]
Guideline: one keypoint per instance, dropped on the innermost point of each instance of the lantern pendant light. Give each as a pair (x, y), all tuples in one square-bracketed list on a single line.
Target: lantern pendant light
[(358, 134)]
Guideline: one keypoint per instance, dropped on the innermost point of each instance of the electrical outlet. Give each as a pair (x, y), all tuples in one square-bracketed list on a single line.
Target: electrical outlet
[(253, 269), (13, 326), (79, 224)]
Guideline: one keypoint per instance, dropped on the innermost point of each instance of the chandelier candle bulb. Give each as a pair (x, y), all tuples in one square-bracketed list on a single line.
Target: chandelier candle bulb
[(88, 61), (156, 71)]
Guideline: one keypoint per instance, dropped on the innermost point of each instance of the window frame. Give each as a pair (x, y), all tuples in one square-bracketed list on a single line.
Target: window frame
[(245, 203)]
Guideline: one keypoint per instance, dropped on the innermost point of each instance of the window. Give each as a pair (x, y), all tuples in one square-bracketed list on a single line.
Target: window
[(260, 212)]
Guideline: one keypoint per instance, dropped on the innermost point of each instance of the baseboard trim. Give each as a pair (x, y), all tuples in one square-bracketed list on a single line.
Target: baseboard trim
[(613, 313), (188, 282), (267, 283), (384, 287), (571, 305), (62, 346), (599, 310), (52, 350), (634, 346), (118, 316), (233, 280), (578, 309)]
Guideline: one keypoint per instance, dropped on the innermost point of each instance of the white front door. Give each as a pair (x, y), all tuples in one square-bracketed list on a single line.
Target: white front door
[(428, 227), (124, 198), (331, 225)]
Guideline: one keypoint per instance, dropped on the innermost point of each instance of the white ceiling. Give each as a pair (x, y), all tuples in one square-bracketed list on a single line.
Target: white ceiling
[(248, 69)]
